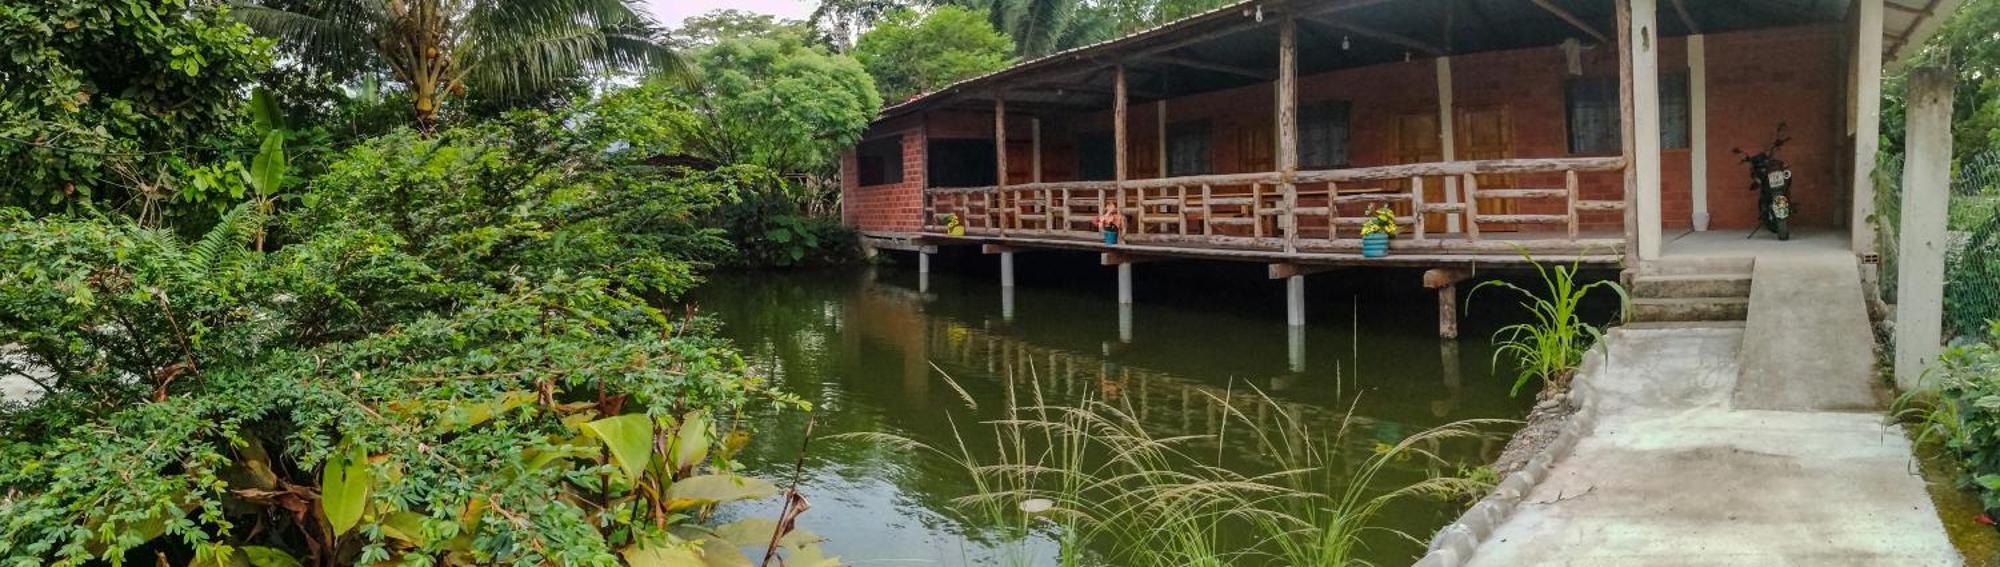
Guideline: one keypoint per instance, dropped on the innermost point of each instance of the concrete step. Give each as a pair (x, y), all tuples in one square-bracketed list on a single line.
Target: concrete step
[(1690, 309), (1691, 286), (1673, 325), (1696, 266)]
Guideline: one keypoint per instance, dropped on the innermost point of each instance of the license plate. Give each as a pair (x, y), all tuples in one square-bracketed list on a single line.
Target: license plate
[(1778, 178)]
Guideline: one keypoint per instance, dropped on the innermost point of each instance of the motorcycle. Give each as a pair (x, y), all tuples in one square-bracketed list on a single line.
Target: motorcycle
[(1772, 180)]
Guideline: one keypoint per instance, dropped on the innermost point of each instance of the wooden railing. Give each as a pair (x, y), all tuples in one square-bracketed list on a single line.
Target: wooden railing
[(1319, 209)]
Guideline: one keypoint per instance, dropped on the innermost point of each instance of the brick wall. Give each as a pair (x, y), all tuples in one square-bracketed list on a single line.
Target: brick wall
[(1755, 80), (893, 207)]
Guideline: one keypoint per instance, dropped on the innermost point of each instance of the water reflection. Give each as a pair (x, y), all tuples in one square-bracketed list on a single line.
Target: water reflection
[(910, 353)]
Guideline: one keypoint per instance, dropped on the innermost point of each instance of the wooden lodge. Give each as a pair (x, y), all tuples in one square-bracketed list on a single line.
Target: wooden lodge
[(1585, 130)]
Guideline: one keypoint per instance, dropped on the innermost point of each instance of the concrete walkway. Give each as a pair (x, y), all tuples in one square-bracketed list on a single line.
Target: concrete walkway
[(1676, 474)]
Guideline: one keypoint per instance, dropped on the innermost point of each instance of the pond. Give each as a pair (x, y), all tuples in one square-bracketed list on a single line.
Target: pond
[(883, 349)]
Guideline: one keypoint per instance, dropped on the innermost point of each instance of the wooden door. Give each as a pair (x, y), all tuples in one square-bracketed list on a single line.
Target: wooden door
[(1484, 133), (1417, 141), (1255, 148)]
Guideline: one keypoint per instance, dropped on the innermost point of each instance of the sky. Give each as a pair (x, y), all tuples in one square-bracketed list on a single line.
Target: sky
[(671, 12)]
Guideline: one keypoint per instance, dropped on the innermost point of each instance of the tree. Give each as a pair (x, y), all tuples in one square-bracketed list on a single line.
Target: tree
[(1968, 45), (439, 48), (909, 54), (717, 26), (103, 99)]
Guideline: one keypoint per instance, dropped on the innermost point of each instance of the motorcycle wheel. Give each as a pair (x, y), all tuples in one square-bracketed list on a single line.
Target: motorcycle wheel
[(1783, 229)]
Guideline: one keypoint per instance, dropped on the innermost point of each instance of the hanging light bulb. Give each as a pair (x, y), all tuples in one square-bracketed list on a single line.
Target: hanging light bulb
[(1344, 44)]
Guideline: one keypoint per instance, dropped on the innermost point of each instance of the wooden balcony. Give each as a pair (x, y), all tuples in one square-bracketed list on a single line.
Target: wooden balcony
[(1314, 216)]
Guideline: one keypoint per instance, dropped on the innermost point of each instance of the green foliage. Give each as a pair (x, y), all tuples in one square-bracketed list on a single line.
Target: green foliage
[(911, 54), (103, 98), (717, 26), (1966, 45), (1972, 268), (515, 51), (1551, 347), (1961, 412)]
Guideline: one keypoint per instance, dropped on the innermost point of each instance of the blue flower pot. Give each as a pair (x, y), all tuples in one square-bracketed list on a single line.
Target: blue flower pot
[(1375, 245), (1111, 237)]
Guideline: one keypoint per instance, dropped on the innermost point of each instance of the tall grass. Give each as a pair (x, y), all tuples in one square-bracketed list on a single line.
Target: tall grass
[(1115, 493), (1550, 347)]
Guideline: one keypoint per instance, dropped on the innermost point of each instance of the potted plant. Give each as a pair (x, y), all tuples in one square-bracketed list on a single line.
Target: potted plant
[(952, 226), (1375, 231), (1110, 223)]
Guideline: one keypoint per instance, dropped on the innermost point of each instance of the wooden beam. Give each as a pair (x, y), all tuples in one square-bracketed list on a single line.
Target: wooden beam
[(1440, 277), (1118, 258), (1580, 25), (1623, 10), (998, 249), (1287, 123), (1389, 37), (1284, 270), (1193, 63)]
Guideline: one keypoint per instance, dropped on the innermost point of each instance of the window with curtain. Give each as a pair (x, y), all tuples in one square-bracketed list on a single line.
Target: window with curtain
[(1591, 106), (1323, 135)]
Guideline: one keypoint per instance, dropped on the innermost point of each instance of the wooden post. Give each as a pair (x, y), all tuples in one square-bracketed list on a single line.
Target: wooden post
[(1207, 211), (1416, 204), (1035, 139), (1332, 212), (1160, 129), (1623, 11), (1118, 139), (1180, 208), (1000, 157), (1646, 123), (1447, 136), (1445, 281), (1471, 186), (1569, 186), (1922, 239), (1288, 131), (1257, 210)]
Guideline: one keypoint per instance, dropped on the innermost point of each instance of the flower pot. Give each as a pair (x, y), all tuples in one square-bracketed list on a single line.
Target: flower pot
[(1110, 236), (1375, 245)]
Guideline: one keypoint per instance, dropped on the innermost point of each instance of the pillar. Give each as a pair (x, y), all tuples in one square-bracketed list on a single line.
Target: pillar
[(1288, 131), (1698, 128), (923, 262), (1867, 122), (1125, 284), (1006, 269), (1007, 304), (1124, 323), (1921, 240), (1447, 137), (1295, 301), (1295, 348), (1448, 311), (1645, 54)]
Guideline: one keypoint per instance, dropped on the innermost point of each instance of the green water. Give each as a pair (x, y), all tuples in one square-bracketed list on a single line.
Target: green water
[(861, 345)]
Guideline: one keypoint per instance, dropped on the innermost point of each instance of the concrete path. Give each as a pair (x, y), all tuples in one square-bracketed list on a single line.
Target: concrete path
[(1807, 344), (1678, 472)]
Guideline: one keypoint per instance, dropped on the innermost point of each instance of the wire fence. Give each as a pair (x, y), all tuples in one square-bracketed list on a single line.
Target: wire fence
[(1972, 257)]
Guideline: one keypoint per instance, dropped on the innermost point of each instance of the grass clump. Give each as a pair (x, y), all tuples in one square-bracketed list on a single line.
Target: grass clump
[(1551, 347)]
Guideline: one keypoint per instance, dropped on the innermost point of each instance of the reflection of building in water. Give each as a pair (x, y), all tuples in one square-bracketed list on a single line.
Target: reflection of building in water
[(1165, 403)]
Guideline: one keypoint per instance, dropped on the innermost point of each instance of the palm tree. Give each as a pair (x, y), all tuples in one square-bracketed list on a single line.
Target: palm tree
[(440, 48)]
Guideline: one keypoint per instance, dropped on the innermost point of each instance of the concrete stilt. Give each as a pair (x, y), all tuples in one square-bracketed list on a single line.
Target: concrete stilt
[(1926, 196), (923, 263), (1006, 269), (923, 282), (1125, 322), (1125, 284), (1007, 303), (1295, 348), (1295, 301)]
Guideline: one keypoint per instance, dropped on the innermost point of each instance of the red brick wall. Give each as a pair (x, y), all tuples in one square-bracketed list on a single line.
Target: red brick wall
[(894, 207), (1755, 79)]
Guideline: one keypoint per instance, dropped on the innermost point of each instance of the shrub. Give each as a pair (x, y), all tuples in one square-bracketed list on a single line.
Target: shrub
[(1551, 347), (1963, 412)]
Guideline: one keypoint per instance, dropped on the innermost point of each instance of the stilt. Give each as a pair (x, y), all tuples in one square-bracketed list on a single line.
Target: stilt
[(1007, 302), (1125, 284), (1007, 269), (923, 262), (1445, 281), (1448, 354), (1295, 301), (923, 283), (1295, 348), (1125, 322)]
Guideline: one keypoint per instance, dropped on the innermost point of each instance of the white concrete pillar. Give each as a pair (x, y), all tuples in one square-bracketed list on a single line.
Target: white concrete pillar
[(1698, 127), (923, 282), (1007, 304), (1646, 122), (1006, 269), (1295, 348), (1295, 301), (1124, 323), (1447, 137), (923, 262), (1921, 240), (1125, 284), (1867, 121)]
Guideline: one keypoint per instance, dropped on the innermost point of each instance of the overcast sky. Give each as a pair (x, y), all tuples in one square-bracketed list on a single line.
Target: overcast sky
[(671, 12)]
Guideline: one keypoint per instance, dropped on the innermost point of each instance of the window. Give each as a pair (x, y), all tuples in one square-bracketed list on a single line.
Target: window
[(961, 163), (1592, 108), (1188, 149), (880, 162), (1323, 135), (1095, 160)]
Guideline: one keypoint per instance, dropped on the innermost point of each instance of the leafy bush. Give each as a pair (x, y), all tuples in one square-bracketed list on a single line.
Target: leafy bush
[(1963, 414), (1551, 347), (448, 355)]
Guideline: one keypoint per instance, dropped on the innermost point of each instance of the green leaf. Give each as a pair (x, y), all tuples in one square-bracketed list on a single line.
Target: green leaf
[(267, 168), (690, 443), (630, 440), (716, 488), (666, 554), (265, 111), (344, 486), (267, 557)]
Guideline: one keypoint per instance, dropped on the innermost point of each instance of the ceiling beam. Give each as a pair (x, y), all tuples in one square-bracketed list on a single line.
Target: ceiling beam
[(1397, 39), (1581, 25), (1192, 63)]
